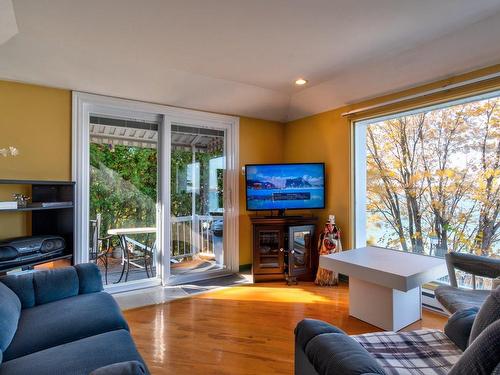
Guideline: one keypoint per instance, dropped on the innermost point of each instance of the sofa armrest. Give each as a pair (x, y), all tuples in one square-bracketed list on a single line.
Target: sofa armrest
[(321, 348), (90, 279), (337, 353), (307, 329), (459, 326), (121, 368)]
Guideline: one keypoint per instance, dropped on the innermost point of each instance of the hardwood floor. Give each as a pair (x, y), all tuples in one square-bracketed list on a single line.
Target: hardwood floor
[(241, 330)]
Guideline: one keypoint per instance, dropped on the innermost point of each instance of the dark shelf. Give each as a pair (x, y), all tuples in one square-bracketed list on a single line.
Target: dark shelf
[(269, 265), (36, 262), (56, 220), (35, 182), (36, 208)]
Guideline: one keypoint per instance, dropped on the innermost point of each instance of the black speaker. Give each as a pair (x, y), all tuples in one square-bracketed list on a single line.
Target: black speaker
[(31, 247), (52, 244), (8, 252)]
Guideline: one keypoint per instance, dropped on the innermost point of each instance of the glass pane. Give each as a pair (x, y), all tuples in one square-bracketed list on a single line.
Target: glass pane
[(433, 182), (197, 200), (123, 196), (269, 243), (300, 244)]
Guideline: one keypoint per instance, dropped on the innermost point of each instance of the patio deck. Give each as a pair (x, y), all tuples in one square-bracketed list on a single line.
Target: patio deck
[(176, 269)]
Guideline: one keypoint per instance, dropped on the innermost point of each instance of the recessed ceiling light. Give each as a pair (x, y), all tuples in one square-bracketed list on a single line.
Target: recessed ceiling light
[(300, 82)]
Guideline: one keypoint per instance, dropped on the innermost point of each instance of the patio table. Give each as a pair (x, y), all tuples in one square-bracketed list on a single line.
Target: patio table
[(124, 243)]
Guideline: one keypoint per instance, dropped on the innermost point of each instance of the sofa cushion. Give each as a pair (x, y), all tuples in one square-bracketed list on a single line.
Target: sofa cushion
[(63, 321), (482, 357), (307, 329), (337, 353), (455, 299), (78, 357), (417, 352), (488, 313), (10, 310), (459, 326), (22, 285), (121, 368), (56, 284), (89, 277)]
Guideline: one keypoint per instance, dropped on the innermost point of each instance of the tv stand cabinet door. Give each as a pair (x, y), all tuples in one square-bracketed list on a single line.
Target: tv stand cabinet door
[(300, 247), (268, 250)]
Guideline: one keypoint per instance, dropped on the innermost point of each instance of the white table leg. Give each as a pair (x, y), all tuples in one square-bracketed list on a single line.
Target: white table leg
[(383, 307)]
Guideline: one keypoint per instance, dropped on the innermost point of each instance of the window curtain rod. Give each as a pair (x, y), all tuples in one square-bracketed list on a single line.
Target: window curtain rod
[(425, 93)]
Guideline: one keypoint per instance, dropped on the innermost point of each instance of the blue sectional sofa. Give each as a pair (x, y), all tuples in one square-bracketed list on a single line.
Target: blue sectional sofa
[(470, 344), (61, 322)]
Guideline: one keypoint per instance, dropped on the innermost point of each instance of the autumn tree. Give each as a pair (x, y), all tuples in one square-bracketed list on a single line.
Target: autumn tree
[(443, 137), (394, 150), (485, 119), (436, 175)]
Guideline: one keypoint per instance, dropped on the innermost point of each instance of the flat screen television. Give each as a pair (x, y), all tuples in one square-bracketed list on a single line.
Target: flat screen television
[(285, 186)]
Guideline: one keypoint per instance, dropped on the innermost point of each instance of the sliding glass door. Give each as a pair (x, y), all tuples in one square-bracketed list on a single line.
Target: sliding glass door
[(198, 166), (123, 195), (156, 191)]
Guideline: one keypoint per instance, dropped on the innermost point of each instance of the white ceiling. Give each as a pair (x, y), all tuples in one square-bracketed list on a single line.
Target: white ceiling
[(241, 57), (8, 25)]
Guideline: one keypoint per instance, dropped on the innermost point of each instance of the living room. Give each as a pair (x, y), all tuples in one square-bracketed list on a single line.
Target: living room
[(234, 187)]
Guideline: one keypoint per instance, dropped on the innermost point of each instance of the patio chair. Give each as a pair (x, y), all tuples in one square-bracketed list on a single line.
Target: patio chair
[(100, 246), (454, 298)]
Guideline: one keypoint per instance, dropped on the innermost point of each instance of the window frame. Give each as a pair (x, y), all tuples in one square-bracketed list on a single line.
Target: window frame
[(358, 200)]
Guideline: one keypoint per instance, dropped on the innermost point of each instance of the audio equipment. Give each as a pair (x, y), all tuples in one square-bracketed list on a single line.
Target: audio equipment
[(30, 248)]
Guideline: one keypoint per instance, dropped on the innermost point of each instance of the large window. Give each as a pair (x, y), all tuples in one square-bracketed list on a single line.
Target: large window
[(428, 181)]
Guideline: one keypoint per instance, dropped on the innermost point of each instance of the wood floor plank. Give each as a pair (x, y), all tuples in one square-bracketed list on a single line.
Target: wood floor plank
[(243, 330)]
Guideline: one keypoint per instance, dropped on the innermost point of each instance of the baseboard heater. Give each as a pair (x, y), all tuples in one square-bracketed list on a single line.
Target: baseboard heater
[(430, 302)]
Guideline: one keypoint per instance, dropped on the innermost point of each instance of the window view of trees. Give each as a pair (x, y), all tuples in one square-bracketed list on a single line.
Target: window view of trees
[(433, 180), (123, 185)]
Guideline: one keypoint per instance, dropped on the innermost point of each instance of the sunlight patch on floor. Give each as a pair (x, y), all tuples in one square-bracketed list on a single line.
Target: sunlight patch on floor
[(266, 294)]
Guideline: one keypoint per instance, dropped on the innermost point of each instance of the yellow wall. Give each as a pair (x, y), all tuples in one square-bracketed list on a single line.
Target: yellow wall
[(326, 137), (260, 142), (36, 120)]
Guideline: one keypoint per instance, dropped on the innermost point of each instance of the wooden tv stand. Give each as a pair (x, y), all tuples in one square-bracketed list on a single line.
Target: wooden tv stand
[(284, 247)]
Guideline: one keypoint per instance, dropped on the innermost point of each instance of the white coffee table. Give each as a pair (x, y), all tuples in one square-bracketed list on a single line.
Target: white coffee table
[(385, 285)]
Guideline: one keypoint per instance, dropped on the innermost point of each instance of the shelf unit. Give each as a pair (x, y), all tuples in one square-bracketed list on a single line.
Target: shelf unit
[(25, 209), (58, 220), (283, 248)]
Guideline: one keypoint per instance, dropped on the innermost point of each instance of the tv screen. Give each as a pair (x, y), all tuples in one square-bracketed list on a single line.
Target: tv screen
[(285, 186)]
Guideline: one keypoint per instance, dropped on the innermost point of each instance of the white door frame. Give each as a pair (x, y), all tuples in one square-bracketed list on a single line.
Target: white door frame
[(84, 104)]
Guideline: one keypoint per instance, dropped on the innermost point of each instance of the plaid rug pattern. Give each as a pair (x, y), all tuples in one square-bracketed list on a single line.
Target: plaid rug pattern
[(428, 352)]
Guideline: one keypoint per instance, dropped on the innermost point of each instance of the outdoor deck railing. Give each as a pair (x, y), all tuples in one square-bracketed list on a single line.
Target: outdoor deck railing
[(191, 235)]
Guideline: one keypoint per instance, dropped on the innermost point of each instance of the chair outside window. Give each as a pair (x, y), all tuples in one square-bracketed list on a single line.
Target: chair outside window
[(454, 298), (100, 247)]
